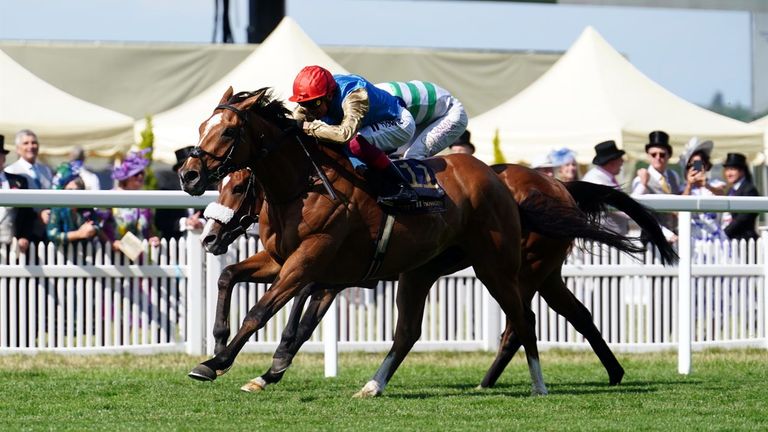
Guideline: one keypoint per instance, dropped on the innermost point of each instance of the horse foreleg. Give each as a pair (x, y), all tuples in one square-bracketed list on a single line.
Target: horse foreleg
[(294, 335), (275, 298), (412, 290), (259, 268)]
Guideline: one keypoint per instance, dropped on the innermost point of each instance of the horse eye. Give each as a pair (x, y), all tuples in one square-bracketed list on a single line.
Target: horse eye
[(238, 189), (228, 133)]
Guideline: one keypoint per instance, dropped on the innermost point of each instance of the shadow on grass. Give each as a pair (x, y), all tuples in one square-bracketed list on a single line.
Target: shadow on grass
[(574, 388)]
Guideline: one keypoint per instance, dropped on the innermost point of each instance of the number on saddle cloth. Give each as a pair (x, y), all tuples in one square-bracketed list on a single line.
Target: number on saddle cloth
[(424, 183)]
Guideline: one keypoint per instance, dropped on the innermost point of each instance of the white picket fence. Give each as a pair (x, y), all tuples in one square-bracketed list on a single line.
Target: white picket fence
[(94, 301)]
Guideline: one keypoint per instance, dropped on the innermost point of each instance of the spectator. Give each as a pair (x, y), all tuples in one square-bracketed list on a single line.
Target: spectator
[(696, 165), (14, 222), (658, 179), (543, 165), (440, 118), (463, 144), (90, 179), (565, 161), (173, 223), (739, 179), (72, 225), (139, 221), (38, 175), (607, 163), (360, 118)]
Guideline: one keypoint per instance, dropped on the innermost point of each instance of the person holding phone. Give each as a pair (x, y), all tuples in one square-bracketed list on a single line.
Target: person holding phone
[(696, 165)]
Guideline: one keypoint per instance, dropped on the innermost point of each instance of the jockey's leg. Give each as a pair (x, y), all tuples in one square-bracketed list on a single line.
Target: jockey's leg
[(369, 146), (440, 133), (378, 160)]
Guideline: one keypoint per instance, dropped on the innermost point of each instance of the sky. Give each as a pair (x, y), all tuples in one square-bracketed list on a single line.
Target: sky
[(693, 53)]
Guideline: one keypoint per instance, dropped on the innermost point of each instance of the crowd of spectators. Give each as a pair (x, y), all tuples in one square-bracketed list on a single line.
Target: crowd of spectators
[(660, 177), (63, 226)]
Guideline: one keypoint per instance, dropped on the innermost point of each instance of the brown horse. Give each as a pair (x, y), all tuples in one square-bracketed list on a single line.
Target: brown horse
[(240, 201), (328, 237)]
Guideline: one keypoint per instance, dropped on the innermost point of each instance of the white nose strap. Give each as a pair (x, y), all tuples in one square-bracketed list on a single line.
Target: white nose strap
[(219, 212)]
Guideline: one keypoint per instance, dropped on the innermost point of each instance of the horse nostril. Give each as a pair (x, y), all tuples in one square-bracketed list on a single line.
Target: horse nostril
[(208, 239), (190, 176)]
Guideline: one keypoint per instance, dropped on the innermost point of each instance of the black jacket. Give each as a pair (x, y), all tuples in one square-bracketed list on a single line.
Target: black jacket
[(23, 226), (743, 224)]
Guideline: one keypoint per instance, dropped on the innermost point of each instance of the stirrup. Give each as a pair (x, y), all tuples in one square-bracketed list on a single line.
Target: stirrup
[(405, 195)]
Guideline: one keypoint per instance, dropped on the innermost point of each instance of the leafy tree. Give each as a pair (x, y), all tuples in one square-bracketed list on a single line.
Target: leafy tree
[(498, 156), (147, 140)]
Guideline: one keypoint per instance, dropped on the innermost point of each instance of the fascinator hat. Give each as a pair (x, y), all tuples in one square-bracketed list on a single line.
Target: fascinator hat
[(562, 156), (695, 145), (134, 163), (66, 172)]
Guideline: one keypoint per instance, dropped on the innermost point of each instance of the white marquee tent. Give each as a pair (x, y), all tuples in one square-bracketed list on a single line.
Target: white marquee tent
[(274, 63), (593, 94), (60, 120)]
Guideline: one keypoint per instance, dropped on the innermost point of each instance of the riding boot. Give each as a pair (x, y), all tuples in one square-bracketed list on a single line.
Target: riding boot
[(404, 193)]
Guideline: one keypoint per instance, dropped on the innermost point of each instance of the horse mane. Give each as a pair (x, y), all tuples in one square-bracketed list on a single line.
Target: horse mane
[(267, 106)]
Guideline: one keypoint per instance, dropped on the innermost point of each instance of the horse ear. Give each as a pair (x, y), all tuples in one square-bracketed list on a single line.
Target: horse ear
[(253, 99), (227, 95)]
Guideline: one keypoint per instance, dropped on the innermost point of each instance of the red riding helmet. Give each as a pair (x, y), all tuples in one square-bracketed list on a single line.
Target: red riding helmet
[(311, 83)]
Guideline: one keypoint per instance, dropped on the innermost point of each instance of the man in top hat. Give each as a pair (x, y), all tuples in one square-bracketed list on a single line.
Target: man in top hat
[(658, 179), (739, 179), (14, 222), (463, 144), (607, 163)]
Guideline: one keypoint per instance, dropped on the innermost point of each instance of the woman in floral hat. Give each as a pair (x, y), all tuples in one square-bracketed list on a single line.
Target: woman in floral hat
[(139, 221)]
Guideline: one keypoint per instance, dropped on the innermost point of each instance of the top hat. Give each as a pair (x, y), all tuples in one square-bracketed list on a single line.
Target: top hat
[(2, 145), (606, 151), (181, 155), (659, 139), (737, 160), (464, 140)]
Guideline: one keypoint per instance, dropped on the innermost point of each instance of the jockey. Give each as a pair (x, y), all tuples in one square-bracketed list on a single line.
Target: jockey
[(348, 110), (440, 117)]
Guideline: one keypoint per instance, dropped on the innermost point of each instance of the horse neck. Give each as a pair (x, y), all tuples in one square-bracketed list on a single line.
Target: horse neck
[(284, 173)]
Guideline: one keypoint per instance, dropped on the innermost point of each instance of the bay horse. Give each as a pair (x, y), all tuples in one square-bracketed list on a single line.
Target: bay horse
[(325, 235), (240, 201)]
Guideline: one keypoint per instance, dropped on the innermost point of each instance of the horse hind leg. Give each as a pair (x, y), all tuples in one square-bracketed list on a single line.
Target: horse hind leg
[(412, 290), (505, 288), (562, 301), (508, 347)]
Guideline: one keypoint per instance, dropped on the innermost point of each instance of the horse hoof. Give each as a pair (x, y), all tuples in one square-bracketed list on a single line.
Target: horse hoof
[(615, 379), (371, 389), (539, 392), (202, 372), (254, 386)]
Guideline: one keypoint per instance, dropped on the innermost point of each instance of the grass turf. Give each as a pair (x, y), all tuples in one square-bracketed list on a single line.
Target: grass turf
[(431, 391)]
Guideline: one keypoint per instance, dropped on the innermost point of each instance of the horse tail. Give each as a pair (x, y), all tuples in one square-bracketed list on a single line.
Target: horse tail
[(551, 217), (593, 199)]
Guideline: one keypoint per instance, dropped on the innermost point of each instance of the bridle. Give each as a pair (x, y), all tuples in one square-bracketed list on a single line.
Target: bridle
[(226, 165)]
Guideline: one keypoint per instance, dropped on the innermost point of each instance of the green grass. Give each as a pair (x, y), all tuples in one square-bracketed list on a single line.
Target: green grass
[(728, 390)]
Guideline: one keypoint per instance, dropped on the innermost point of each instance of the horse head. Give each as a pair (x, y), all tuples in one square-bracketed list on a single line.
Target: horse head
[(237, 208), (233, 137)]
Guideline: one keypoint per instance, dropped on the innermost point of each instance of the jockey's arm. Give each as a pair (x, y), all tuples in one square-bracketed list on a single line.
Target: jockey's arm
[(355, 106)]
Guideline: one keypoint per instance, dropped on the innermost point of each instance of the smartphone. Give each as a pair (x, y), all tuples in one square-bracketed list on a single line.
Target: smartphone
[(697, 166)]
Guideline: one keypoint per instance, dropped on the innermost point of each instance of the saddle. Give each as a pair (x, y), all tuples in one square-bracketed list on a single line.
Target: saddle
[(424, 183)]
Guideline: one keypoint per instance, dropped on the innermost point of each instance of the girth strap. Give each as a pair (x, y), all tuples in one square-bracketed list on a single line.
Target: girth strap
[(385, 232)]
